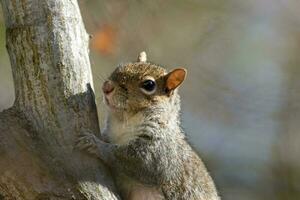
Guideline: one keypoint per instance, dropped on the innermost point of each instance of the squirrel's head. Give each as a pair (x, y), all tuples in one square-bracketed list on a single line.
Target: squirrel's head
[(137, 86)]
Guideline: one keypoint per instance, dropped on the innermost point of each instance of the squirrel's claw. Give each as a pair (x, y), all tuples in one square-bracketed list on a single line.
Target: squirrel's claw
[(86, 141), (92, 150), (90, 143)]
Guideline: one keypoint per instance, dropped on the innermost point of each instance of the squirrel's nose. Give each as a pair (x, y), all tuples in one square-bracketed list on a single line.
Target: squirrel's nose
[(107, 87)]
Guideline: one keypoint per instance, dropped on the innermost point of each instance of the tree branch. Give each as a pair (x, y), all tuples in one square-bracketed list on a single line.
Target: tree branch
[(48, 48)]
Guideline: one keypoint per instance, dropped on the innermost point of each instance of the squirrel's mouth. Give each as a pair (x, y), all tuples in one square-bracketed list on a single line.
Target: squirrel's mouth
[(112, 106)]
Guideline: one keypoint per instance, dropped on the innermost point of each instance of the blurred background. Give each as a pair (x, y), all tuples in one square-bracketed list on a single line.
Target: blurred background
[(241, 100)]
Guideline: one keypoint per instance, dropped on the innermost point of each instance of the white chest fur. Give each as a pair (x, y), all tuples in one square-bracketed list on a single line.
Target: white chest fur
[(145, 193), (120, 132)]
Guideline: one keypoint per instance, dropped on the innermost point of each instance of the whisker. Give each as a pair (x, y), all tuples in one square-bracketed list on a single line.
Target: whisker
[(105, 74), (100, 77)]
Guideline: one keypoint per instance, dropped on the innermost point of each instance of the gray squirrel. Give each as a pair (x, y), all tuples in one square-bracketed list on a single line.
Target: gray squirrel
[(143, 143)]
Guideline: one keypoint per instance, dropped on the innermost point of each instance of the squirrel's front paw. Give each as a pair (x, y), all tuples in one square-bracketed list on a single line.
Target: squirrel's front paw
[(88, 142)]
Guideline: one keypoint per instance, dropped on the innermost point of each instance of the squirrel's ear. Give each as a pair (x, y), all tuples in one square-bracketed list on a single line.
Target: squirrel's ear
[(142, 57), (175, 78)]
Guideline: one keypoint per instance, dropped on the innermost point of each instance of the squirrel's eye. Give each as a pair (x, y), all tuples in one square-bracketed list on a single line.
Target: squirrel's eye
[(148, 87)]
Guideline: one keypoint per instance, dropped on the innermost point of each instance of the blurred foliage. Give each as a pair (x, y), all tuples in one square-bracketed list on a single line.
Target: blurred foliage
[(104, 39), (241, 101)]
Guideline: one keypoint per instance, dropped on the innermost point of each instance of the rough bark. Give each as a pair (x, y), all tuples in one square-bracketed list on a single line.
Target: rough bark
[(48, 48)]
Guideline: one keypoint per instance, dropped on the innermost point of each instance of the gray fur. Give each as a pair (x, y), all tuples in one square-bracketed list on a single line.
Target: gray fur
[(157, 156)]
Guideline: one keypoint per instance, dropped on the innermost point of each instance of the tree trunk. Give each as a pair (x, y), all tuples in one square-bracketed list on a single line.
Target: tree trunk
[(48, 48)]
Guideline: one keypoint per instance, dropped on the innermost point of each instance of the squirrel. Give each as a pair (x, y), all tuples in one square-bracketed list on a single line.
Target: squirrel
[(143, 142)]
